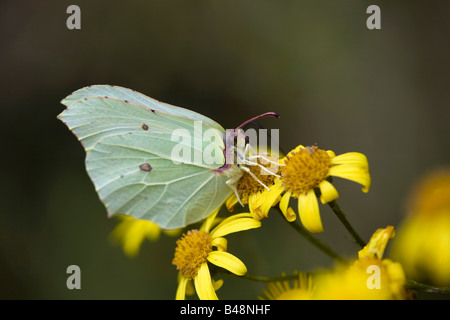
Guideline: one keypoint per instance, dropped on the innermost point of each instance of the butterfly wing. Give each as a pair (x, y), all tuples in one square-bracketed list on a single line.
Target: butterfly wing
[(133, 96), (130, 159)]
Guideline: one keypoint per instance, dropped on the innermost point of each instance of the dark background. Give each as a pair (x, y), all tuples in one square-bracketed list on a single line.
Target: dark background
[(384, 93)]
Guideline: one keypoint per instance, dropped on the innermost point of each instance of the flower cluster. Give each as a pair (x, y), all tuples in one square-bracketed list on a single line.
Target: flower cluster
[(423, 241), (369, 277), (349, 281), (303, 172), (306, 175)]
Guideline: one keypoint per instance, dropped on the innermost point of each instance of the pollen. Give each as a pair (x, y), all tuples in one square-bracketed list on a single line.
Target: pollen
[(248, 185), (304, 169), (191, 252)]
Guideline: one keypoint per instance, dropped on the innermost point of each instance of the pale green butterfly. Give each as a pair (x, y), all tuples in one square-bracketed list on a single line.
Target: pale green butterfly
[(137, 166)]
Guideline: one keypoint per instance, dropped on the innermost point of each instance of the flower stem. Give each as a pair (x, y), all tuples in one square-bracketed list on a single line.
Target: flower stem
[(314, 241), (270, 279), (411, 284), (341, 216)]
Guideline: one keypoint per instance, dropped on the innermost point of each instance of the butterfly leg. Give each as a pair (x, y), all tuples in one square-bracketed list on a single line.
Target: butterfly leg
[(232, 183), (254, 177)]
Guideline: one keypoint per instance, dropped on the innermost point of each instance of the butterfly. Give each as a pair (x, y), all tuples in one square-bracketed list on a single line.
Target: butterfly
[(153, 160)]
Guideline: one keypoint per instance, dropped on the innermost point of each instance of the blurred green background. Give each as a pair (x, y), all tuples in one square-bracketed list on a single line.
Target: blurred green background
[(384, 93)]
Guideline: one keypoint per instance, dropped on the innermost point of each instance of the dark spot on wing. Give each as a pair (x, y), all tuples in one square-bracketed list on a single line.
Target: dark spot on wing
[(153, 111), (145, 167), (145, 127)]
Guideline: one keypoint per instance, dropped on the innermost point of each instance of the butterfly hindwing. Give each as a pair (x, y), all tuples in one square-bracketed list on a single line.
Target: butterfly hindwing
[(146, 186)]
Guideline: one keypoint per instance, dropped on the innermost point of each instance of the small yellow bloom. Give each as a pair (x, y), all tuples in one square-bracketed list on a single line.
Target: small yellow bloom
[(431, 195), (377, 244), (198, 247), (256, 193), (301, 289), (423, 241), (131, 232), (370, 277), (305, 170)]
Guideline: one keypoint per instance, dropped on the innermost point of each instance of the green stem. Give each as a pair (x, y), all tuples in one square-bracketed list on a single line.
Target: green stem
[(411, 284), (314, 241), (248, 276), (341, 216), (270, 279)]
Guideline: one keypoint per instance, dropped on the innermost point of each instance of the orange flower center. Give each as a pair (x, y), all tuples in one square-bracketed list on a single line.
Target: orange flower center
[(191, 252), (304, 169), (248, 185)]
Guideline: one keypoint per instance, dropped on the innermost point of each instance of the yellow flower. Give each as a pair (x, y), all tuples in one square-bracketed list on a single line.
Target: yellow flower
[(370, 277), (131, 232), (256, 193), (423, 241), (198, 247), (305, 170), (431, 195), (302, 289)]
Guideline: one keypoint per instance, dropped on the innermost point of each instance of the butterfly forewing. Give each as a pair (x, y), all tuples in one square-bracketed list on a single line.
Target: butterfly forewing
[(131, 160), (125, 94)]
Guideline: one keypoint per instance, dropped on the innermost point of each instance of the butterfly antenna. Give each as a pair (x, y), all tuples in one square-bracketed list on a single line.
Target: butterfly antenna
[(262, 127), (272, 114)]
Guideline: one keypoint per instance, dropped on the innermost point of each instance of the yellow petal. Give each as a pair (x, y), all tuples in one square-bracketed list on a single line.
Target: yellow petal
[(227, 261), (234, 217), (220, 243), (181, 290), (287, 211), (133, 239), (308, 209), (255, 208), (397, 278), (203, 284), (353, 173), (297, 148), (131, 232), (272, 197), (231, 202), (352, 158), (173, 232), (327, 192), (377, 244), (408, 247), (206, 226), (290, 215), (217, 284), (331, 153), (284, 203), (234, 225), (261, 202)]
